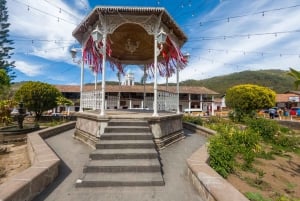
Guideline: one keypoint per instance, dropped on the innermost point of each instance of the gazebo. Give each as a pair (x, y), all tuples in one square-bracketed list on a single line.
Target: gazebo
[(126, 141), (120, 36)]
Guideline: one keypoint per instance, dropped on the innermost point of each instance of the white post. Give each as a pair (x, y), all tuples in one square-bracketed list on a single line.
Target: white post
[(81, 82), (95, 74), (155, 78), (102, 113), (177, 89), (212, 106), (189, 103), (201, 103)]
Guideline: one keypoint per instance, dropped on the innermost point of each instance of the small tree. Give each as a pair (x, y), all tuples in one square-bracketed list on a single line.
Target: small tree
[(245, 99), (6, 107), (4, 83), (63, 101), (295, 74), (38, 97), (5, 44)]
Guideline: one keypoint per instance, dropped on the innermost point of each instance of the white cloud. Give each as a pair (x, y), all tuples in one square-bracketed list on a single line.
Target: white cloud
[(29, 20), (29, 69), (206, 64)]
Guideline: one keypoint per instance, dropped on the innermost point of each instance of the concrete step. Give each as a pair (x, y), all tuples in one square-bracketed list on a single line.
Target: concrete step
[(102, 154), (123, 165), (126, 136), (126, 129), (124, 144), (127, 122), (120, 179)]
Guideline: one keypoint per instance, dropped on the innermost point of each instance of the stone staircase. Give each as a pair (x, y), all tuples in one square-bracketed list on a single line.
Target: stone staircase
[(124, 156)]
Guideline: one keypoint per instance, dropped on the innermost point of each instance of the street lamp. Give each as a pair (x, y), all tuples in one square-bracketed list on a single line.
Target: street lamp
[(159, 39), (73, 53)]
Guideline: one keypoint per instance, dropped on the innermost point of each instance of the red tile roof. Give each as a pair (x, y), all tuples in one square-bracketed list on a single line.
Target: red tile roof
[(137, 89), (283, 98)]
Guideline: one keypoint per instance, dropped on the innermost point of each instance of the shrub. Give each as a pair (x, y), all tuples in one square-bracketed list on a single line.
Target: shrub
[(227, 144), (265, 127), (193, 120), (253, 196), (221, 155)]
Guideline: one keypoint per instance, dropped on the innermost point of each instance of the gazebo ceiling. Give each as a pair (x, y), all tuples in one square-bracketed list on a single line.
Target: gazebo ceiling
[(130, 43)]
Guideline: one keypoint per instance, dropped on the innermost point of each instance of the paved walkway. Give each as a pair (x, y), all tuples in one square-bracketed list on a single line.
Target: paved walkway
[(75, 154)]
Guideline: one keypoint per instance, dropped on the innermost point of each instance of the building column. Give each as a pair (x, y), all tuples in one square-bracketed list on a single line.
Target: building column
[(201, 102), (212, 106), (190, 102)]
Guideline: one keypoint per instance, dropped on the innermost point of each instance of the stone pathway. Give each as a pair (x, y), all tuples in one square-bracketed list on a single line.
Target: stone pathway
[(75, 154)]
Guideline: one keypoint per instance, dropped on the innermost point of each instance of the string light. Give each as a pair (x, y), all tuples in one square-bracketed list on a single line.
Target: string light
[(43, 12), (243, 35), (247, 52), (262, 13)]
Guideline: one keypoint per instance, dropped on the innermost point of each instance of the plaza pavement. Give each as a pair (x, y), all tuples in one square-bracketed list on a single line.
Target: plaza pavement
[(75, 154)]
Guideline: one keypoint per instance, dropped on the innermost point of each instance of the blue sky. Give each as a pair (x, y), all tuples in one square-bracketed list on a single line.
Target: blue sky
[(224, 36)]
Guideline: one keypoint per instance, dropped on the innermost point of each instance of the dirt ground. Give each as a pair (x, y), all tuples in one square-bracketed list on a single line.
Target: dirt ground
[(12, 161), (271, 178)]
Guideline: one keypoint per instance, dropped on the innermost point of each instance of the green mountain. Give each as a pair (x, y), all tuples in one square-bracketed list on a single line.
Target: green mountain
[(277, 80)]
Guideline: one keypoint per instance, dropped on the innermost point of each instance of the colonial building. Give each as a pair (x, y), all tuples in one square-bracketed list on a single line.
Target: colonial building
[(130, 96)]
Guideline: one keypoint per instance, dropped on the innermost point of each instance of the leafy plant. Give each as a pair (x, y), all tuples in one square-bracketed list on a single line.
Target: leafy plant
[(6, 107), (265, 127), (254, 196), (193, 120), (229, 142)]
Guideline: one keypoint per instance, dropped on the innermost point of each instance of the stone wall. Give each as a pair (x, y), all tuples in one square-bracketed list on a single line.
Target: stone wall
[(290, 124), (43, 170), (89, 127), (166, 130)]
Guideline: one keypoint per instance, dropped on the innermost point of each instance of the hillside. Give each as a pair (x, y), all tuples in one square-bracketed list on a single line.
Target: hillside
[(277, 80)]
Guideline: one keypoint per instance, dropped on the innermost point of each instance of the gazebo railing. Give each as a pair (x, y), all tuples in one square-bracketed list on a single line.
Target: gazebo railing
[(91, 100), (166, 101)]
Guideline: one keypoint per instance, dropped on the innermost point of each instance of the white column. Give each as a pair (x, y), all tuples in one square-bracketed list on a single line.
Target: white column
[(155, 78), (177, 88), (189, 103), (201, 102), (102, 113), (81, 82), (212, 106), (130, 104), (95, 74)]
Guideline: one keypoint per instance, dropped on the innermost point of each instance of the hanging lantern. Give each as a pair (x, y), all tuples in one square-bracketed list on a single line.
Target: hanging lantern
[(73, 52), (96, 35), (161, 37)]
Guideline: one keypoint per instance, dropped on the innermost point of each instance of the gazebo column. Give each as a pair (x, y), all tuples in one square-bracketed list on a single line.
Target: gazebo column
[(155, 77), (102, 113), (177, 89), (81, 82)]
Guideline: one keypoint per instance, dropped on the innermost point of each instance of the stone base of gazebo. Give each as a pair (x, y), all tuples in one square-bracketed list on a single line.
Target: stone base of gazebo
[(166, 128)]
